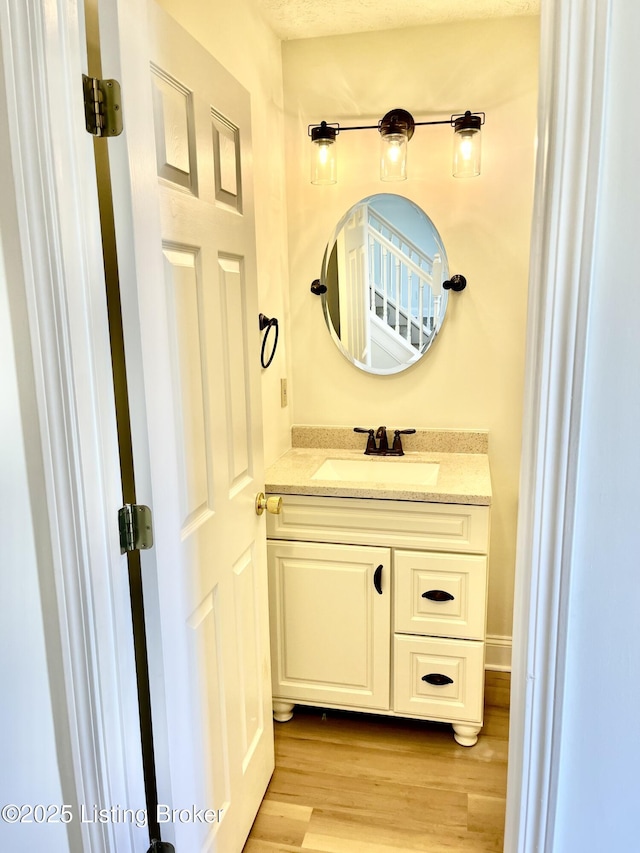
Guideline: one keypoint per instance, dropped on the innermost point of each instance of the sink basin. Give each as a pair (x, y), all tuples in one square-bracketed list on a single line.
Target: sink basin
[(390, 470)]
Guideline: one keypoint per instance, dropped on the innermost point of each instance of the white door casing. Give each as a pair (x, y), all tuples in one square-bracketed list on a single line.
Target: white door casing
[(182, 189), (571, 123)]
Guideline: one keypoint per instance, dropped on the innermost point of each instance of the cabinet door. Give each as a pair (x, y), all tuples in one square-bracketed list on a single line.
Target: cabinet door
[(330, 626)]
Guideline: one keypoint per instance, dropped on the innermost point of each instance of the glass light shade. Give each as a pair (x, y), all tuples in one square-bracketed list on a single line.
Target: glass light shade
[(393, 157), (466, 153), (324, 162)]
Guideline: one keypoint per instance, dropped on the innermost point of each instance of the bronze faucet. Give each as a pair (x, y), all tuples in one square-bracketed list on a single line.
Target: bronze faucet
[(382, 449), (383, 446)]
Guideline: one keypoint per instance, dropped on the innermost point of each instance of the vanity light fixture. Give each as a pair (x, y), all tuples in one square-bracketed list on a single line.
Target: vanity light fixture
[(396, 129), (323, 164), (466, 145)]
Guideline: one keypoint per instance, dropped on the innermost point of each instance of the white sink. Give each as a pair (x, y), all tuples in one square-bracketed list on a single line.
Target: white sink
[(387, 470)]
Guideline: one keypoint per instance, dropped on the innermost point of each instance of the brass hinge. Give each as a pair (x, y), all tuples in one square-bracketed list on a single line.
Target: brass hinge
[(136, 528), (102, 106)]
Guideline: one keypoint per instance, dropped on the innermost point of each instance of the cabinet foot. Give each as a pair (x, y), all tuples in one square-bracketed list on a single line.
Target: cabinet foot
[(283, 711), (466, 735)]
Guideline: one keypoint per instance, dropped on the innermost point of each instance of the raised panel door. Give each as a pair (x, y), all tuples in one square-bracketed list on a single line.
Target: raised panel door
[(186, 249), (329, 624)]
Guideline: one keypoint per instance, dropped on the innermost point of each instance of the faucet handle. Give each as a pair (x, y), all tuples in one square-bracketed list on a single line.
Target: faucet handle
[(397, 441), (371, 442)]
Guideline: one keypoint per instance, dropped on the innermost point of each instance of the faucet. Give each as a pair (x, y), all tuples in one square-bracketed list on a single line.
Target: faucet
[(382, 449), (383, 446)]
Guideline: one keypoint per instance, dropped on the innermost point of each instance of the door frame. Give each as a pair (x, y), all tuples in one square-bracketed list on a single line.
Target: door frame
[(574, 43), (60, 248)]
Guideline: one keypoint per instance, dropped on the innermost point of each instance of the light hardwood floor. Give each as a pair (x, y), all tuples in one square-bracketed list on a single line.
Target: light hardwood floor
[(356, 783)]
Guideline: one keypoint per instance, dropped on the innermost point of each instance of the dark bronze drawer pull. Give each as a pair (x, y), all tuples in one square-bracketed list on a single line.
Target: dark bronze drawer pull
[(437, 595), (437, 678), (377, 579)]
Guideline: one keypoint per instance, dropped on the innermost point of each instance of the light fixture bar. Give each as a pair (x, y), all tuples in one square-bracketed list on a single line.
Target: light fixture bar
[(451, 121)]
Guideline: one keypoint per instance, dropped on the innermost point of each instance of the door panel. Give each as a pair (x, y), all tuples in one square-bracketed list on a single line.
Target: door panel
[(246, 596), (188, 345), (236, 369), (226, 158), (173, 123), (206, 628)]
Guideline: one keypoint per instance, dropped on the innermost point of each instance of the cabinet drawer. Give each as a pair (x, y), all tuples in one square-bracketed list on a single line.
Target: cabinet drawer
[(441, 594), (401, 524), (459, 664)]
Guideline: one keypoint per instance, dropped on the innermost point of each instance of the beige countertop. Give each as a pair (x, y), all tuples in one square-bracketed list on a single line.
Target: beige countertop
[(463, 478)]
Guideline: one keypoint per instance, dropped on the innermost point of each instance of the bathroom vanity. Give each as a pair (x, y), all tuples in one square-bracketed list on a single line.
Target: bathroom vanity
[(378, 577)]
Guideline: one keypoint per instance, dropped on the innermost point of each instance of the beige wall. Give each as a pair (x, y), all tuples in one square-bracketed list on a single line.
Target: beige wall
[(248, 49), (472, 378), (473, 375)]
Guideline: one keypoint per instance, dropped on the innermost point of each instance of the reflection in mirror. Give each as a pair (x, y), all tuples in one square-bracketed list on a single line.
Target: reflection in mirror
[(383, 270)]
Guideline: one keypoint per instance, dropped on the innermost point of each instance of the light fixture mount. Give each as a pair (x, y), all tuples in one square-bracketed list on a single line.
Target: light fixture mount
[(397, 121), (324, 131), (467, 121)]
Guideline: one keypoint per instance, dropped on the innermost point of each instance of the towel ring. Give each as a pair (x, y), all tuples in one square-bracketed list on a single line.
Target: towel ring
[(268, 323)]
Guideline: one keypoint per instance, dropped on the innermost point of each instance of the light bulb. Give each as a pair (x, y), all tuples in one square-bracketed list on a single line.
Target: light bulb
[(393, 157), (394, 152), (466, 146), (323, 157), (324, 153)]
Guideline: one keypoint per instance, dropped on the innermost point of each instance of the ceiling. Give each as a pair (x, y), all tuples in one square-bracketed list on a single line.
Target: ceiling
[(296, 19)]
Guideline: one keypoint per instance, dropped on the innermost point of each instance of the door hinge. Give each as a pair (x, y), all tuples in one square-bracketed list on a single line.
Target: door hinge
[(102, 106), (136, 528)]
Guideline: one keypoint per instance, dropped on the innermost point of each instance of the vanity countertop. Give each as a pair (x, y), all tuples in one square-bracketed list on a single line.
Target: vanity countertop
[(463, 478)]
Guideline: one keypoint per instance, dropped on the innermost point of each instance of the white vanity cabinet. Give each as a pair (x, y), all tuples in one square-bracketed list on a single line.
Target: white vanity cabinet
[(379, 605)]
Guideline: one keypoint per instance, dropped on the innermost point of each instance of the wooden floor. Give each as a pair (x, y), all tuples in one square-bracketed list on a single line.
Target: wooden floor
[(355, 783)]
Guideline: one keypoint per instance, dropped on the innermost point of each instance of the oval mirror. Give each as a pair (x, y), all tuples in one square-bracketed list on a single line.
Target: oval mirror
[(383, 270)]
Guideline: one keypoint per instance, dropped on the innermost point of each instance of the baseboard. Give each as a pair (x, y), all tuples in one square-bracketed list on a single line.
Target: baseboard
[(498, 653)]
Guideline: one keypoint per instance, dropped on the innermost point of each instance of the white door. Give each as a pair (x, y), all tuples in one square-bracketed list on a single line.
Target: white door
[(182, 189)]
